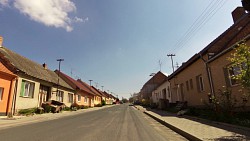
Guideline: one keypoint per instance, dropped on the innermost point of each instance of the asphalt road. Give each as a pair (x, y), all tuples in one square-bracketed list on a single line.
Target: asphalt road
[(117, 123)]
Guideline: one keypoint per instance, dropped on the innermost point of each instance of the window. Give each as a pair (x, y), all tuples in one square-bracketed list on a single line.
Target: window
[(191, 84), (79, 98), (200, 83), (85, 99), (70, 97), (234, 70), (187, 85), (27, 89), (1, 93), (59, 96)]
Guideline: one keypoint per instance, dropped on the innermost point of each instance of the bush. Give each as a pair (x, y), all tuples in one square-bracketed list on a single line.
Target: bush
[(47, 108), (98, 105), (26, 112), (75, 107), (103, 102), (67, 109)]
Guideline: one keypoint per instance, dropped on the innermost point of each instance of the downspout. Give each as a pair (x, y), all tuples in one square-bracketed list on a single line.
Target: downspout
[(210, 80), (9, 97), (13, 106)]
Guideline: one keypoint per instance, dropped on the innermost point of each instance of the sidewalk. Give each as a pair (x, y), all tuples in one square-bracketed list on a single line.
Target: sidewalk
[(198, 129), (23, 120)]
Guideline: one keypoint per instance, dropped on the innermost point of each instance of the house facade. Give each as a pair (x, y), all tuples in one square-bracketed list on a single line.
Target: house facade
[(35, 83), (7, 88), (147, 89), (198, 78), (162, 92)]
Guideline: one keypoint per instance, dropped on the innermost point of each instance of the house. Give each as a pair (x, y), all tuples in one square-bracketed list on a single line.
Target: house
[(7, 87), (97, 97), (198, 78), (83, 94), (108, 98), (35, 83), (162, 93), (147, 89), (91, 95)]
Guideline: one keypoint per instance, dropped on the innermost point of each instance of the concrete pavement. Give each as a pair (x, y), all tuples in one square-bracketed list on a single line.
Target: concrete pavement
[(198, 129)]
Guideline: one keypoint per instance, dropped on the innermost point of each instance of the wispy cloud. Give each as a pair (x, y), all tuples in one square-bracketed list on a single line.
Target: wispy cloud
[(53, 13)]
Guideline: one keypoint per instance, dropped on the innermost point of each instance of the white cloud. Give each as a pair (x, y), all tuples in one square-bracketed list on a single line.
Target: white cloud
[(53, 13), (4, 2)]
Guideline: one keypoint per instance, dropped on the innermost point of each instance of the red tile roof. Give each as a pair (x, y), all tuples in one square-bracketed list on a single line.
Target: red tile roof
[(74, 83)]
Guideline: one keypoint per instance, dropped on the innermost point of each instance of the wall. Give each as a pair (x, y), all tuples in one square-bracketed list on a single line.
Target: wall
[(158, 93), (219, 76), (26, 102), (191, 95)]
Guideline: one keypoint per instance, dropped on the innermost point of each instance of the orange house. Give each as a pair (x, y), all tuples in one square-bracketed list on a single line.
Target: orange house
[(7, 84)]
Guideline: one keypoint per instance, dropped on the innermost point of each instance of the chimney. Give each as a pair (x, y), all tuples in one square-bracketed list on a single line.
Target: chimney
[(1, 41), (238, 13), (45, 66)]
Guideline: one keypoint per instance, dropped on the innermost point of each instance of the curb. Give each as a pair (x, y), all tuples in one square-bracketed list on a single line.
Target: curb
[(177, 130)]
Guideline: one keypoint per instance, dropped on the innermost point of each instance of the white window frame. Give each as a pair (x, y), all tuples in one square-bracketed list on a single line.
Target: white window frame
[(1, 93), (79, 98), (85, 99), (70, 97), (233, 70), (28, 89), (59, 96)]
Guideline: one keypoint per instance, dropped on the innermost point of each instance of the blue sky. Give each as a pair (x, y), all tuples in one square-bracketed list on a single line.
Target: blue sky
[(115, 43)]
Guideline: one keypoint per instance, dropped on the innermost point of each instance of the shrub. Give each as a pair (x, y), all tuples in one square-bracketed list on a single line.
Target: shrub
[(103, 102), (98, 105), (75, 107), (67, 109), (26, 112), (47, 108)]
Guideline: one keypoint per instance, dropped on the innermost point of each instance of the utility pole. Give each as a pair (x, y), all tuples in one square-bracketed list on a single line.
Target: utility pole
[(171, 55), (59, 60)]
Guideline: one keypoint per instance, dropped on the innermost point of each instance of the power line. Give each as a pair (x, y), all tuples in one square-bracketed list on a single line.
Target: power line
[(206, 15)]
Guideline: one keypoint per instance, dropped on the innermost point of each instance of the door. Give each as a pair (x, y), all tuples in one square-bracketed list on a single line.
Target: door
[(44, 94)]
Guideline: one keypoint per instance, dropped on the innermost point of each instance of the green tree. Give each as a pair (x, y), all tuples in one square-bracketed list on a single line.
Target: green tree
[(241, 59)]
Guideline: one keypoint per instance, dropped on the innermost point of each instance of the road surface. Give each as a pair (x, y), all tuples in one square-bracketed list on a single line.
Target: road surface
[(117, 123)]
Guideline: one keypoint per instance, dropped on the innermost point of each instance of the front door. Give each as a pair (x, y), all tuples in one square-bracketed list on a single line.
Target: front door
[(44, 94)]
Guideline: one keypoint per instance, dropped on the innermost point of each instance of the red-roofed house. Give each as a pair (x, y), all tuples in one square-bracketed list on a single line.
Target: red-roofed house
[(83, 96)]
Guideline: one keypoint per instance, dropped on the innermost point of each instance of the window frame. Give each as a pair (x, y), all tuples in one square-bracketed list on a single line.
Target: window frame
[(70, 98), (1, 93), (231, 71), (79, 97), (201, 83), (27, 93), (59, 96), (85, 99)]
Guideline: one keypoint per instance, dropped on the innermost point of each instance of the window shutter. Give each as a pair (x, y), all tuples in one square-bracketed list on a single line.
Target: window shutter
[(22, 89), (226, 75)]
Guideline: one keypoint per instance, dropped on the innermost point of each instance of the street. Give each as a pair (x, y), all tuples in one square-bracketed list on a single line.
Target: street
[(117, 123)]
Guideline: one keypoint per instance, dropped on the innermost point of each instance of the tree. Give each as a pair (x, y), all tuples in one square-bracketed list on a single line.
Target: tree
[(241, 59)]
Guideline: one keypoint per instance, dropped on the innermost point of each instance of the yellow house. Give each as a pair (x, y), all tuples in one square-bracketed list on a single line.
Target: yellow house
[(35, 83)]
